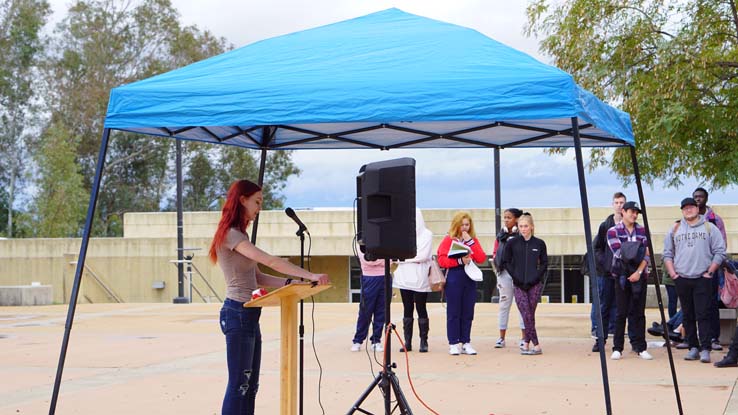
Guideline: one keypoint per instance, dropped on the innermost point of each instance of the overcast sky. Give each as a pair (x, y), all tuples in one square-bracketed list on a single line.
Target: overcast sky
[(448, 179)]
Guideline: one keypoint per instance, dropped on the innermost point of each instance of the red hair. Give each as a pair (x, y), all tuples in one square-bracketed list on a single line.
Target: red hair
[(233, 213)]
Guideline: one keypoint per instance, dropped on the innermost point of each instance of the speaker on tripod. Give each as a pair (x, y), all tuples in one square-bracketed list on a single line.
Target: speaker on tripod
[(386, 209), (386, 230)]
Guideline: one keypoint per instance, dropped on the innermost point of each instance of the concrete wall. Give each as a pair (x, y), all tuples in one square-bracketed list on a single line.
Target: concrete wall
[(130, 265)]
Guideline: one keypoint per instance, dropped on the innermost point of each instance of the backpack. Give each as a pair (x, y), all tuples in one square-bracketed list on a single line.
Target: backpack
[(729, 290)]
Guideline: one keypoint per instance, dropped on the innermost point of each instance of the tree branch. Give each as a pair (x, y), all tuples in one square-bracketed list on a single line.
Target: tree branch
[(734, 9), (650, 20), (727, 64), (143, 149)]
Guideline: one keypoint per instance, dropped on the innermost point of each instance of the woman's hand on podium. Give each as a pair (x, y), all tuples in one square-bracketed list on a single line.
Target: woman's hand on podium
[(321, 279)]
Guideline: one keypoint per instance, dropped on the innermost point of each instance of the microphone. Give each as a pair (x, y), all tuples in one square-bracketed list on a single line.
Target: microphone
[(291, 213)]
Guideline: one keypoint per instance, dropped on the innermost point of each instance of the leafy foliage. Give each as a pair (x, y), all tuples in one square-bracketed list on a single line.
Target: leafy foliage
[(672, 65), (61, 202), (105, 43), (21, 45)]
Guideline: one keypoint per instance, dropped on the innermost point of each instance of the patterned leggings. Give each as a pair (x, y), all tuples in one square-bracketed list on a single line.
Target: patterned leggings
[(527, 302)]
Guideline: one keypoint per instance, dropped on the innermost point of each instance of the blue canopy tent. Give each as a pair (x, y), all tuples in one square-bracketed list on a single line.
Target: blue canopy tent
[(385, 80)]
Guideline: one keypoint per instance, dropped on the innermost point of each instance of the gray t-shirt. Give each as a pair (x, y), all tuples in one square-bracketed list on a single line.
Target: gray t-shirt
[(239, 271)]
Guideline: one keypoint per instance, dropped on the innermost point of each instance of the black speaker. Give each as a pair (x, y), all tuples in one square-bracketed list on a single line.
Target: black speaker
[(386, 209)]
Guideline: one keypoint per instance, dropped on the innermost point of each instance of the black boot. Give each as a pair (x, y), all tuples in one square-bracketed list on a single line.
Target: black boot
[(730, 360), (423, 326), (407, 328)]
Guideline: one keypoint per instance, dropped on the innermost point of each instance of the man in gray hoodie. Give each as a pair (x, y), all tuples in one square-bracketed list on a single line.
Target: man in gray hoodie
[(693, 251)]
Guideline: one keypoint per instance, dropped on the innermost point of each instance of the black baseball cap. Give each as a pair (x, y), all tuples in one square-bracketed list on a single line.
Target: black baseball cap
[(632, 205), (688, 201)]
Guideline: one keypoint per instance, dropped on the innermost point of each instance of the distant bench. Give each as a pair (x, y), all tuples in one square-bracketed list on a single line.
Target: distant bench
[(21, 295)]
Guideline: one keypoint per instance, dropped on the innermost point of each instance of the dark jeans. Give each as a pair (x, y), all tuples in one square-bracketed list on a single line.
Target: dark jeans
[(606, 288), (631, 301), (715, 306), (243, 349), (461, 296), (673, 299), (694, 294), (371, 309), (413, 299)]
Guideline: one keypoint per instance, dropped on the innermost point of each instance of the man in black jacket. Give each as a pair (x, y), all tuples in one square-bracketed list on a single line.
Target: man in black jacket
[(603, 261)]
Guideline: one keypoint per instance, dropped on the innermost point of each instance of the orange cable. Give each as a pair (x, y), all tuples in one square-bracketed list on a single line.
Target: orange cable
[(407, 369)]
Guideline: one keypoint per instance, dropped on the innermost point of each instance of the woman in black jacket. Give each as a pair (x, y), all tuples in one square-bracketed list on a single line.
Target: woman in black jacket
[(526, 260)]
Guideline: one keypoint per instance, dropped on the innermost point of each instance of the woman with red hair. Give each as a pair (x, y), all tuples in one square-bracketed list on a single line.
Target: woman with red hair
[(238, 258)]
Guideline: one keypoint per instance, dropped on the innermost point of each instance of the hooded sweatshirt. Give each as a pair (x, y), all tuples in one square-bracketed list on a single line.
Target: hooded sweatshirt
[(412, 274), (692, 248)]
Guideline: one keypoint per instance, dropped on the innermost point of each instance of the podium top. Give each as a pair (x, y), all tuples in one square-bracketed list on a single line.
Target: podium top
[(295, 291)]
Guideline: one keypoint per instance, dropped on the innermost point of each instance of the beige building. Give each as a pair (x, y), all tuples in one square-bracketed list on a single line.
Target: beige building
[(138, 267)]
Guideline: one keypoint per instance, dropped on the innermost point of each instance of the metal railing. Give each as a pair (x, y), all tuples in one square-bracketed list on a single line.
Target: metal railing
[(188, 274), (108, 291)]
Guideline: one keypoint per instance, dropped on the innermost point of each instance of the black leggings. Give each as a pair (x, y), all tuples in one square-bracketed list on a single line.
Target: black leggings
[(410, 297)]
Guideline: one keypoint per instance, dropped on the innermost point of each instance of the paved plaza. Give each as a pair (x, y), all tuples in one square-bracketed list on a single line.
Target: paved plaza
[(170, 359)]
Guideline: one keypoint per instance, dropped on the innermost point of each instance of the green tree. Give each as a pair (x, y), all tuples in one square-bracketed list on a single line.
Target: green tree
[(238, 163), (21, 46), (60, 201), (102, 44), (201, 186), (672, 65)]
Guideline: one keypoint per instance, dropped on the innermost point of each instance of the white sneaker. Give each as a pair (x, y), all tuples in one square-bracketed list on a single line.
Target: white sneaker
[(645, 355), (500, 343), (355, 347), (616, 355), (468, 349), (377, 347), (454, 350), (522, 345)]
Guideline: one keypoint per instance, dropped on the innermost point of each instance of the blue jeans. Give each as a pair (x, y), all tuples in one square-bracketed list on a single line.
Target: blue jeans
[(371, 309), (608, 307), (461, 296), (243, 349), (672, 294)]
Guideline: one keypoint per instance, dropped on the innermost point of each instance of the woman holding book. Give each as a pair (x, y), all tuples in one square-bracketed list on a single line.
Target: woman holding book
[(458, 249), (526, 260), (411, 277)]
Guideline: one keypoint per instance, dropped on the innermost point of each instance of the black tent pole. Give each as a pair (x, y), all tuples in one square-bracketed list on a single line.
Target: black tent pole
[(80, 267), (498, 199), (655, 276), (180, 299), (590, 256), (262, 166)]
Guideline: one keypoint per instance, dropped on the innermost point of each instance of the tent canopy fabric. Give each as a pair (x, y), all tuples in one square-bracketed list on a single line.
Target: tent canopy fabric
[(385, 80)]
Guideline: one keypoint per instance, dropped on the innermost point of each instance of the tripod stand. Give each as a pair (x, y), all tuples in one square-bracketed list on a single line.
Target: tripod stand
[(386, 380)]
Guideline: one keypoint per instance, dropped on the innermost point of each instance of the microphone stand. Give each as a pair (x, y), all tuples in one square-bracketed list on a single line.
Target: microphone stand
[(301, 234)]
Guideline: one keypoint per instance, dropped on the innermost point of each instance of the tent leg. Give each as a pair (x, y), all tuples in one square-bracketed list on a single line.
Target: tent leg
[(590, 256), (180, 299), (80, 267), (654, 275), (498, 199), (262, 167)]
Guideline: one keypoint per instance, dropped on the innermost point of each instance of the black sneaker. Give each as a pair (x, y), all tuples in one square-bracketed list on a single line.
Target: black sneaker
[(728, 361), (596, 348)]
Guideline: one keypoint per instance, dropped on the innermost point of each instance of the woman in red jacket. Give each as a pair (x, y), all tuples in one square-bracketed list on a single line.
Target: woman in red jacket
[(461, 291)]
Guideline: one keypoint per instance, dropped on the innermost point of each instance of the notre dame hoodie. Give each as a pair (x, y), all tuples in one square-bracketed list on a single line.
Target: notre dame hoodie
[(692, 248)]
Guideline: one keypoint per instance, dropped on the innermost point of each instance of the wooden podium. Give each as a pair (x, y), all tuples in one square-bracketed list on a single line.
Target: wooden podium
[(287, 298)]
